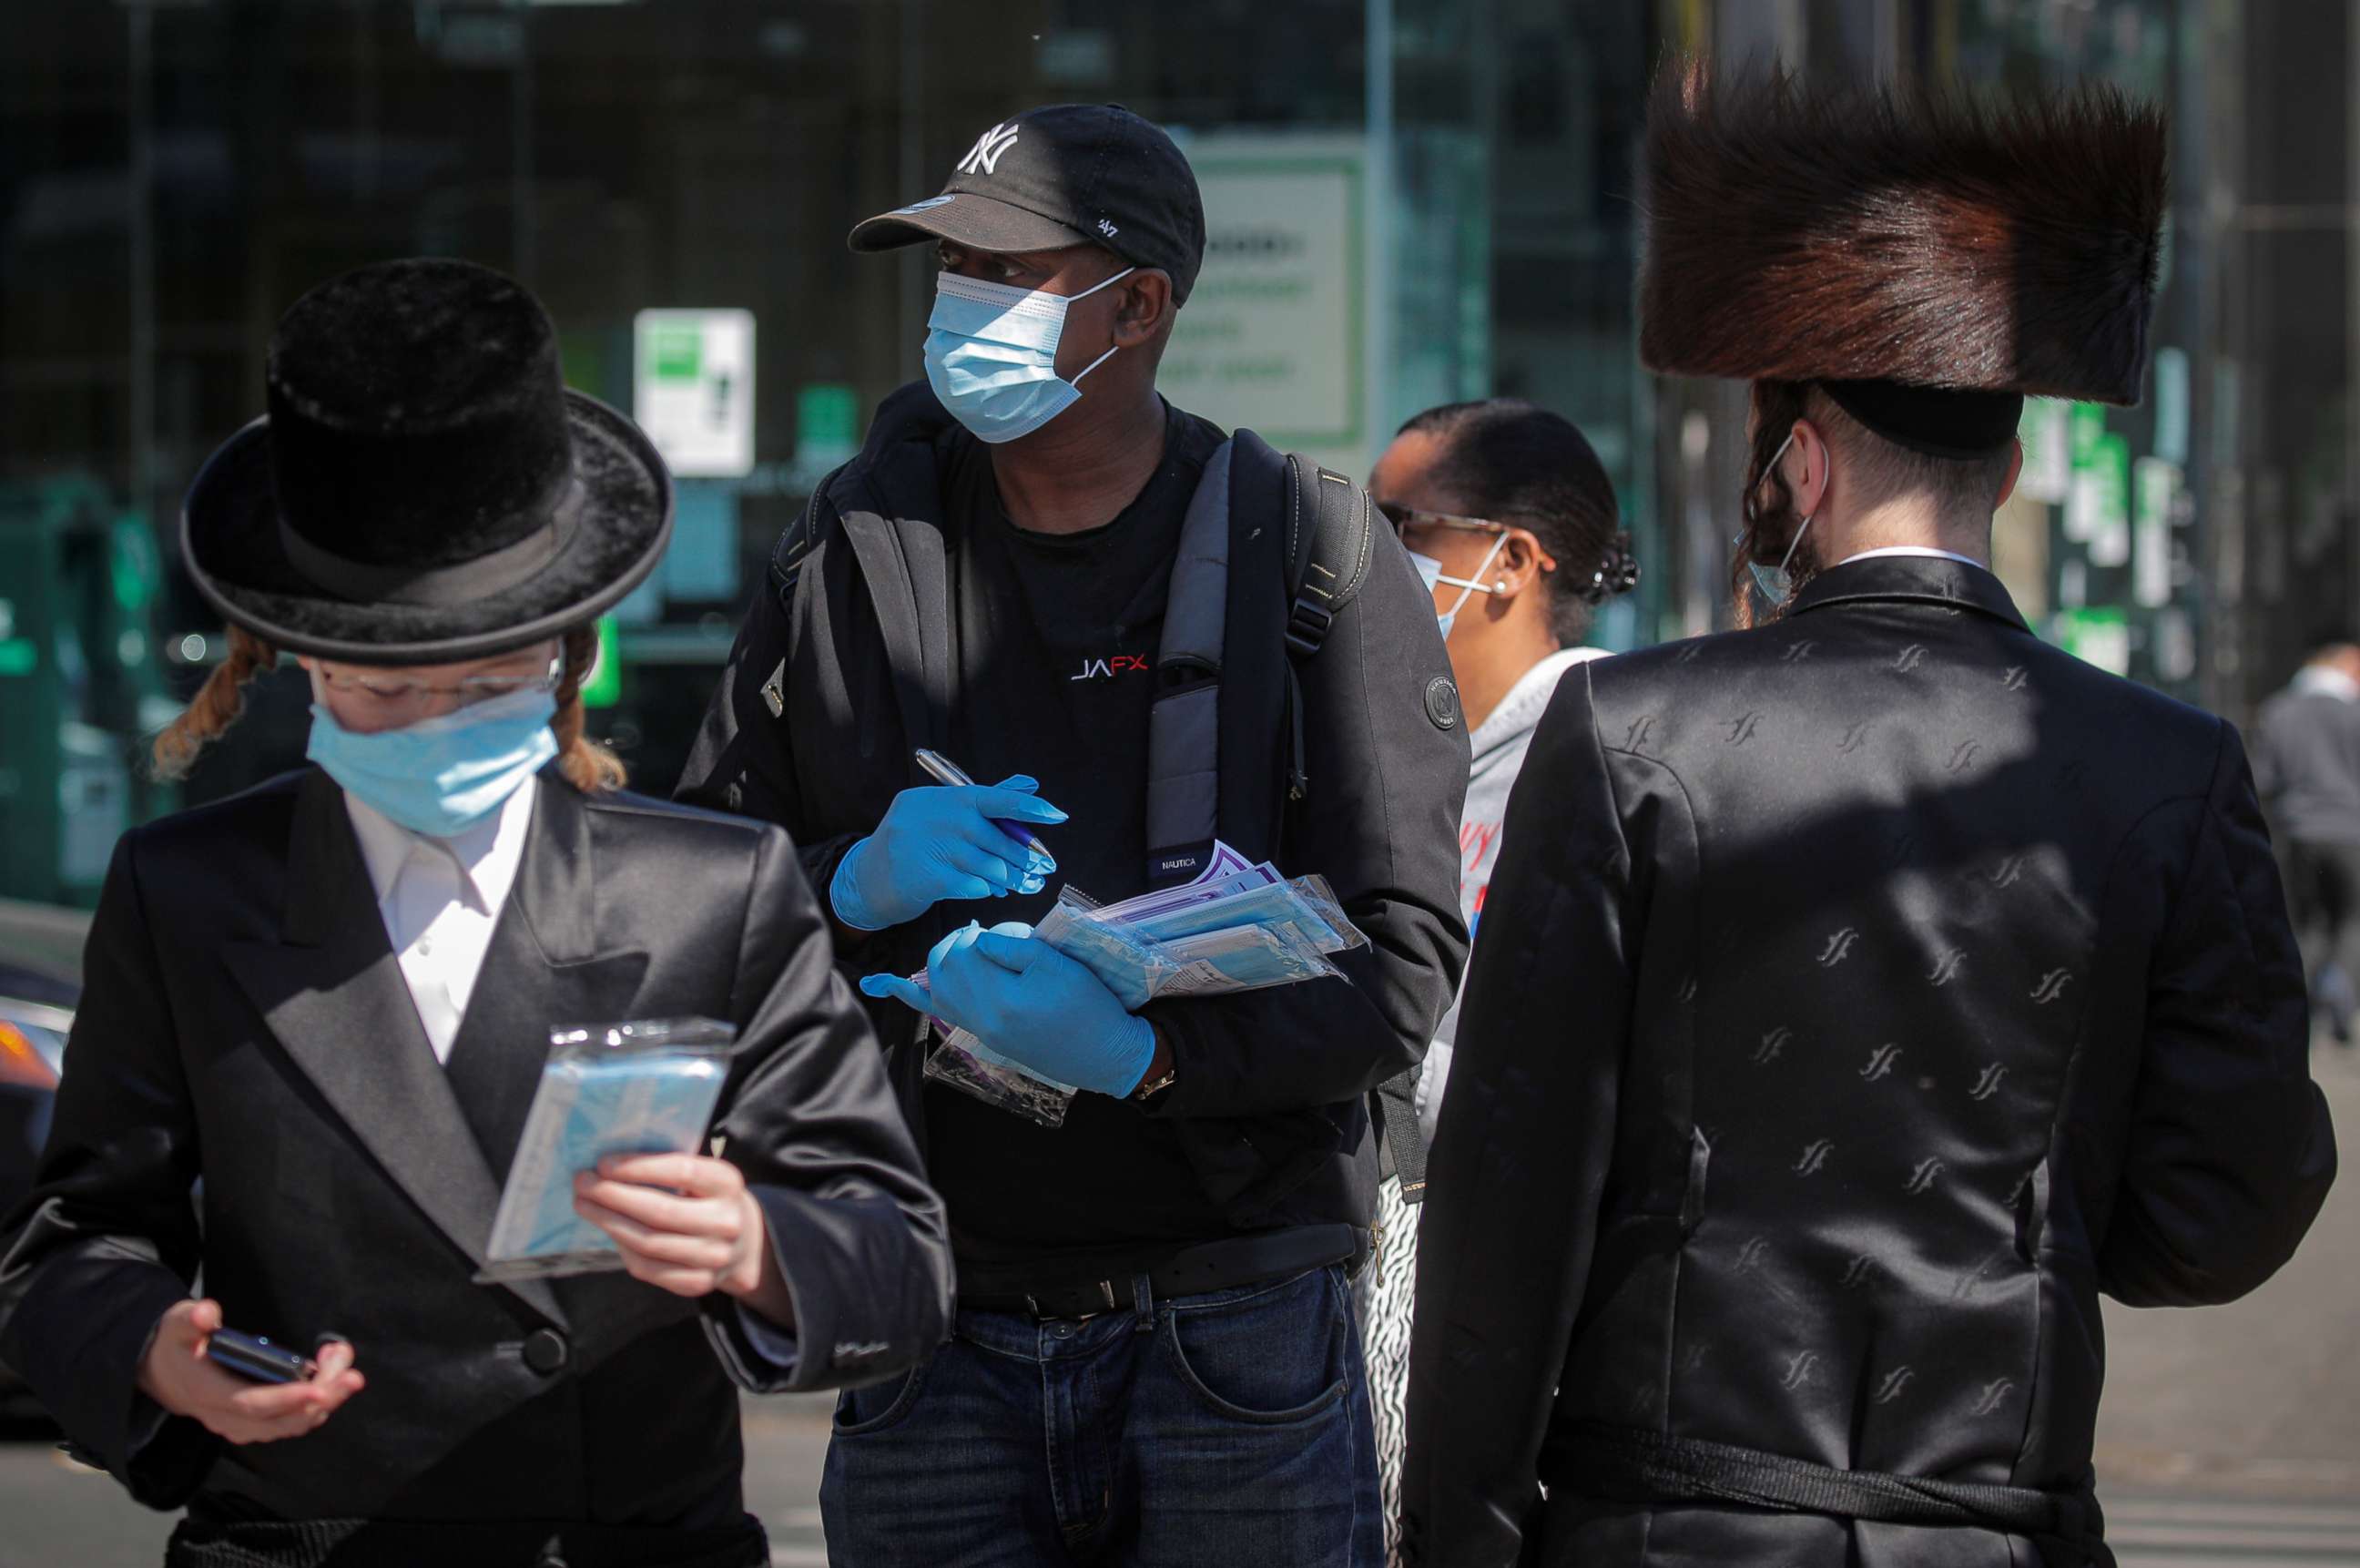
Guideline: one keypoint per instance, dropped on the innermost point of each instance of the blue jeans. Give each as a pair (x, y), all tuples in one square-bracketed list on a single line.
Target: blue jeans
[(1231, 1426)]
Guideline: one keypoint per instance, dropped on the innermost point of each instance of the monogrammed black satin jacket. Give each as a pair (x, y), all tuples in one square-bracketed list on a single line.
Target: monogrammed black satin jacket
[(1857, 998)]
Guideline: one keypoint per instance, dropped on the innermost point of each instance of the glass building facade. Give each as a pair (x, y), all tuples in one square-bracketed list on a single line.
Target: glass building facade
[(1410, 202)]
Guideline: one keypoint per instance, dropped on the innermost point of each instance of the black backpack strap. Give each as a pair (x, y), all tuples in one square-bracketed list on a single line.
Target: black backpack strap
[(1396, 1107), (1330, 540), (1184, 757), (812, 528), (907, 577), (905, 568)]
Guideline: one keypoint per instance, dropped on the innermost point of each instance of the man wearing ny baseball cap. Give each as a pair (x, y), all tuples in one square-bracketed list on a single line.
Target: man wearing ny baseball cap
[(1040, 569)]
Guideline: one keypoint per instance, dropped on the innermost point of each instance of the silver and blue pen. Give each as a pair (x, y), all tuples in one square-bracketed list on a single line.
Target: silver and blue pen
[(943, 771)]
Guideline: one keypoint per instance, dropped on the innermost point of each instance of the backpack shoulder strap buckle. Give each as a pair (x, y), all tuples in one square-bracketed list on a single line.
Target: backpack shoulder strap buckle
[(1306, 626)]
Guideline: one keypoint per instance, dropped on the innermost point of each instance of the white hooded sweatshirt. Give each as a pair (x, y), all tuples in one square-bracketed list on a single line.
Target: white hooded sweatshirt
[(1499, 744)]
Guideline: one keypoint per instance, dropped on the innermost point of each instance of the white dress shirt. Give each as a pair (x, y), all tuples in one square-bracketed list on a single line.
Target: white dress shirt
[(440, 899)]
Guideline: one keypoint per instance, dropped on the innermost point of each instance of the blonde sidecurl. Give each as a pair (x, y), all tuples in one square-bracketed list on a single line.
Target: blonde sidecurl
[(215, 706)]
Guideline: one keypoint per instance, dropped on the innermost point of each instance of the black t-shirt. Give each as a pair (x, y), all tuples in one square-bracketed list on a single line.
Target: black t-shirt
[(1056, 642)]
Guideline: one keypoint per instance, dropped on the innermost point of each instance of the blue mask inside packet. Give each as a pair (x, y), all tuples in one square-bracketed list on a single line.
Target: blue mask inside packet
[(648, 1087)]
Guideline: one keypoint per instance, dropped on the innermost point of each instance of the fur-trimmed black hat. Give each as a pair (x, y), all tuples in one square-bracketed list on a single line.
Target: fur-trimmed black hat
[(1844, 232), (425, 488)]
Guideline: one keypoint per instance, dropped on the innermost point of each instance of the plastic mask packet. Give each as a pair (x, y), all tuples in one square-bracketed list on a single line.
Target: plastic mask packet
[(1129, 968), (965, 1063), (647, 1087), (1124, 965), (1275, 905), (1243, 958), (1196, 894)]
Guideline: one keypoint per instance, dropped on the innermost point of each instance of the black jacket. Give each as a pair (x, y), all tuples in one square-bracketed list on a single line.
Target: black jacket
[(1858, 998), (1273, 1084), (246, 1023)]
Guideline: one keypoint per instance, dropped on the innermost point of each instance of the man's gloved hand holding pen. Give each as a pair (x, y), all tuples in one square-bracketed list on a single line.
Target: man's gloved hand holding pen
[(1032, 1004), (938, 843)]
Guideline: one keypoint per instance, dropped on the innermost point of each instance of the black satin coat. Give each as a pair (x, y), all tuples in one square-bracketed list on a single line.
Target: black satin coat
[(245, 1022), (1857, 998)]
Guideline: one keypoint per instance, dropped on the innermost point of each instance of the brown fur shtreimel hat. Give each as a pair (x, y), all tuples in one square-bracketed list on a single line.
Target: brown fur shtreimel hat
[(1839, 231)]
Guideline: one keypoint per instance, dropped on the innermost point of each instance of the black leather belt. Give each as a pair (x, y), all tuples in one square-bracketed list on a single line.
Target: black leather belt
[(1627, 1464), (1054, 1291)]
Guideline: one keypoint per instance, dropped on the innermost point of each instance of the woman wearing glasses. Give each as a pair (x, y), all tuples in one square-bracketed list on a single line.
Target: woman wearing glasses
[(1509, 516), (328, 1000)]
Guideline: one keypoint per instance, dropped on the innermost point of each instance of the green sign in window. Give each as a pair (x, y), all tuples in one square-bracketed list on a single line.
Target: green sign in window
[(676, 352), (605, 686), (2089, 428)]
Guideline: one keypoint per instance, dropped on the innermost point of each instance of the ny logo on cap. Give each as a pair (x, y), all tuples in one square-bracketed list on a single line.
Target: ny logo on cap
[(983, 158)]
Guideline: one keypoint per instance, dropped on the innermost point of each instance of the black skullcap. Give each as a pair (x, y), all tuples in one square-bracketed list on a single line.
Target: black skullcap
[(1941, 421)]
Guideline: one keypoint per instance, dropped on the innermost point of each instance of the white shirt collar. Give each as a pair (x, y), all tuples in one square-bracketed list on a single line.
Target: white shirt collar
[(488, 854), (1922, 551), (1528, 699)]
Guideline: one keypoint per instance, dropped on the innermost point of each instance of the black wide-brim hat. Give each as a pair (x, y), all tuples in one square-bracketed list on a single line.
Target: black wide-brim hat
[(425, 489)]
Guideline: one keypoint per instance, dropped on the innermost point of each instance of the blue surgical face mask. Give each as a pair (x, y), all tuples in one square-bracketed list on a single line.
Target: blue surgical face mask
[(1429, 571), (443, 776), (1776, 584), (992, 355)]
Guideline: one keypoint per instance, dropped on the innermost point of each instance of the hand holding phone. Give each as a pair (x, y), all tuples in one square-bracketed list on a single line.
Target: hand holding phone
[(227, 1391), (255, 1359)]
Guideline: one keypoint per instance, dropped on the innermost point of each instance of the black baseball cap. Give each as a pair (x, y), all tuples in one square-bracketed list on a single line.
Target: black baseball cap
[(1068, 175)]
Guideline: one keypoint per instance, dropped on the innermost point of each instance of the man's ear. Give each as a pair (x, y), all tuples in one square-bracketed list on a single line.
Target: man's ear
[(1807, 469), (1143, 308), (2014, 472)]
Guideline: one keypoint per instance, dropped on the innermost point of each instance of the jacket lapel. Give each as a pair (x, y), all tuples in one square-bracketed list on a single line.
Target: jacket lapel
[(331, 993), (542, 972)]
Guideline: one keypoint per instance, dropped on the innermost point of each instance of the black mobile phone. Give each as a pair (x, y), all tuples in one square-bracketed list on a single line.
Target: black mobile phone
[(253, 1357)]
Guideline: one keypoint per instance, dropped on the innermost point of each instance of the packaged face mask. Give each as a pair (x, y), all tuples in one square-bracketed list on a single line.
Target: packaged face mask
[(648, 1087), (1236, 927), (1243, 958)]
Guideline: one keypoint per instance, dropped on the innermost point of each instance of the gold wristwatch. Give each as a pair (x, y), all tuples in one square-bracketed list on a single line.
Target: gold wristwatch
[(1150, 1087)]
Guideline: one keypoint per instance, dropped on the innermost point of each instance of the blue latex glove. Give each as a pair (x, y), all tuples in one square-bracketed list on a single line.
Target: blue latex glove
[(1032, 1004), (940, 842)]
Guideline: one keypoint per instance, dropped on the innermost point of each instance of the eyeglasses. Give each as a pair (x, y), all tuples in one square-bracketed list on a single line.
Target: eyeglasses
[(1402, 517), (389, 687), (1406, 518)]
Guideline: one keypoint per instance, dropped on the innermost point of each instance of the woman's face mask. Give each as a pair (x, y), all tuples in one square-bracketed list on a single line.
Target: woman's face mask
[(1430, 572)]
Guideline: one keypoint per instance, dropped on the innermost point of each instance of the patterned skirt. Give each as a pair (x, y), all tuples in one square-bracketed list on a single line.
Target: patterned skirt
[(1385, 1293)]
